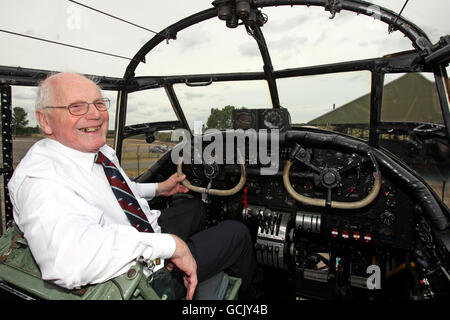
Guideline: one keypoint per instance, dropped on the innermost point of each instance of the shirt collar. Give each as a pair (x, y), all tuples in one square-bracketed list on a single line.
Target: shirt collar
[(84, 159), (110, 153)]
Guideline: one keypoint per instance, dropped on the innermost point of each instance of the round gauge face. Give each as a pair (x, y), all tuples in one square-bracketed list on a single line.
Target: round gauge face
[(210, 170), (198, 171), (388, 218), (273, 120), (243, 120)]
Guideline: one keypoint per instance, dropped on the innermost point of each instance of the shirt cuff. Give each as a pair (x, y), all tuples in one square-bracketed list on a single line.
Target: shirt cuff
[(164, 249), (147, 190)]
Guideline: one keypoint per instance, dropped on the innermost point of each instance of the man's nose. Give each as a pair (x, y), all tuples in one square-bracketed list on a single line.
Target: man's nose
[(93, 112)]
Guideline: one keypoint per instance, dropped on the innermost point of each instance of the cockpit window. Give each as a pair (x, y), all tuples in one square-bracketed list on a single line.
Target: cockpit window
[(411, 97), (198, 102), (149, 106), (195, 52), (411, 105), (338, 101), (305, 36)]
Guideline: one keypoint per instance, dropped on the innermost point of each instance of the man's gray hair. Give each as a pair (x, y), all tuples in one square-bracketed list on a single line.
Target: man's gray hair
[(44, 89), (43, 93)]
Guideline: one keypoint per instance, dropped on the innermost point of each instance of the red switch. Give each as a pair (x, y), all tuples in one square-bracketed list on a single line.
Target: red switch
[(245, 199)]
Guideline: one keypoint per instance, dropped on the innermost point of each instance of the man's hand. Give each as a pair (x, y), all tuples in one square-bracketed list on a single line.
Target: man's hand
[(183, 260), (172, 185)]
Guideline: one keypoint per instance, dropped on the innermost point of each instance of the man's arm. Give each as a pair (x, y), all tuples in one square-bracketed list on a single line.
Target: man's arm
[(71, 243), (172, 185), (183, 259), (166, 188)]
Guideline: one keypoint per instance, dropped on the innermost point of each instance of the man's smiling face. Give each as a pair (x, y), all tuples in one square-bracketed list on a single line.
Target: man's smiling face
[(85, 133)]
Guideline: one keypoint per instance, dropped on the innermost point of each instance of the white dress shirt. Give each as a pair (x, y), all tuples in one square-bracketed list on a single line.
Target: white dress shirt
[(74, 225)]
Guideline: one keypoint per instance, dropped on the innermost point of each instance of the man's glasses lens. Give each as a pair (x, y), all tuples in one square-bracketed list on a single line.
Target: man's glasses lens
[(80, 108)]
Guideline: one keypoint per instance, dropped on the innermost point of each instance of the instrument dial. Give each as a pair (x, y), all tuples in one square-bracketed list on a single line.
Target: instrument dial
[(388, 218), (273, 120)]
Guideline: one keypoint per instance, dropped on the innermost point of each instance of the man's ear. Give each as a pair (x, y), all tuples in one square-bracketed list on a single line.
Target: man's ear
[(43, 120)]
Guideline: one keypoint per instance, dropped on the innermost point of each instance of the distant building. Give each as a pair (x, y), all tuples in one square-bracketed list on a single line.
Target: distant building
[(403, 100)]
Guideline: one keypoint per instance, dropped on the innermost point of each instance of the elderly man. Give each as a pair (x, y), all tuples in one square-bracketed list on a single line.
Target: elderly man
[(79, 230)]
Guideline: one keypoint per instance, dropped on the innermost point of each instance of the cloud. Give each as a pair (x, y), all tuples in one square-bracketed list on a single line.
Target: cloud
[(363, 43), (194, 38), (190, 95), (287, 41), (285, 25), (249, 50), (24, 93)]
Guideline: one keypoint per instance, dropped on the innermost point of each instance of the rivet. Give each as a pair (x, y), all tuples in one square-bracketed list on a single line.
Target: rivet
[(131, 273)]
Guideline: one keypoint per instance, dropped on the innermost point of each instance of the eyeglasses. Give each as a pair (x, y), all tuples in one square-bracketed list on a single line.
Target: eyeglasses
[(82, 107)]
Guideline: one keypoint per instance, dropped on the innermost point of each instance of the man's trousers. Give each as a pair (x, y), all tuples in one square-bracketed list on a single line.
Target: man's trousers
[(226, 246)]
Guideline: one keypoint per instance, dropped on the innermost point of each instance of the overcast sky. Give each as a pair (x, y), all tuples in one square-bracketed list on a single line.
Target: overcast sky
[(296, 36)]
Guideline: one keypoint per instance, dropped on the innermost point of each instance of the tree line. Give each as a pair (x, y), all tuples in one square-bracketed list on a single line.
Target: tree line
[(19, 123)]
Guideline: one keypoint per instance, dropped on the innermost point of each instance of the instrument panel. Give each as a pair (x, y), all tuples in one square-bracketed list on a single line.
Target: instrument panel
[(387, 221), (319, 245), (280, 222)]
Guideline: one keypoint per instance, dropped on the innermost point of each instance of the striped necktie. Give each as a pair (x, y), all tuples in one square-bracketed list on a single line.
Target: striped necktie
[(124, 195)]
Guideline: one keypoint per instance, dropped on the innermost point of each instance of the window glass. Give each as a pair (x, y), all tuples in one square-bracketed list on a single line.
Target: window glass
[(206, 47), (302, 36), (411, 97), (339, 101), (138, 155), (149, 106), (198, 102)]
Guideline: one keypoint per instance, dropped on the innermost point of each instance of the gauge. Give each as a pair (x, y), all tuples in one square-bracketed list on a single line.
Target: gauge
[(210, 170), (388, 217), (197, 170), (243, 120), (273, 120)]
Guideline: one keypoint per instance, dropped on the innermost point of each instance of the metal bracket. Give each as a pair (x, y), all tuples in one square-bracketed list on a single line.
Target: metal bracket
[(148, 267), (334, 6), (170, 35)]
